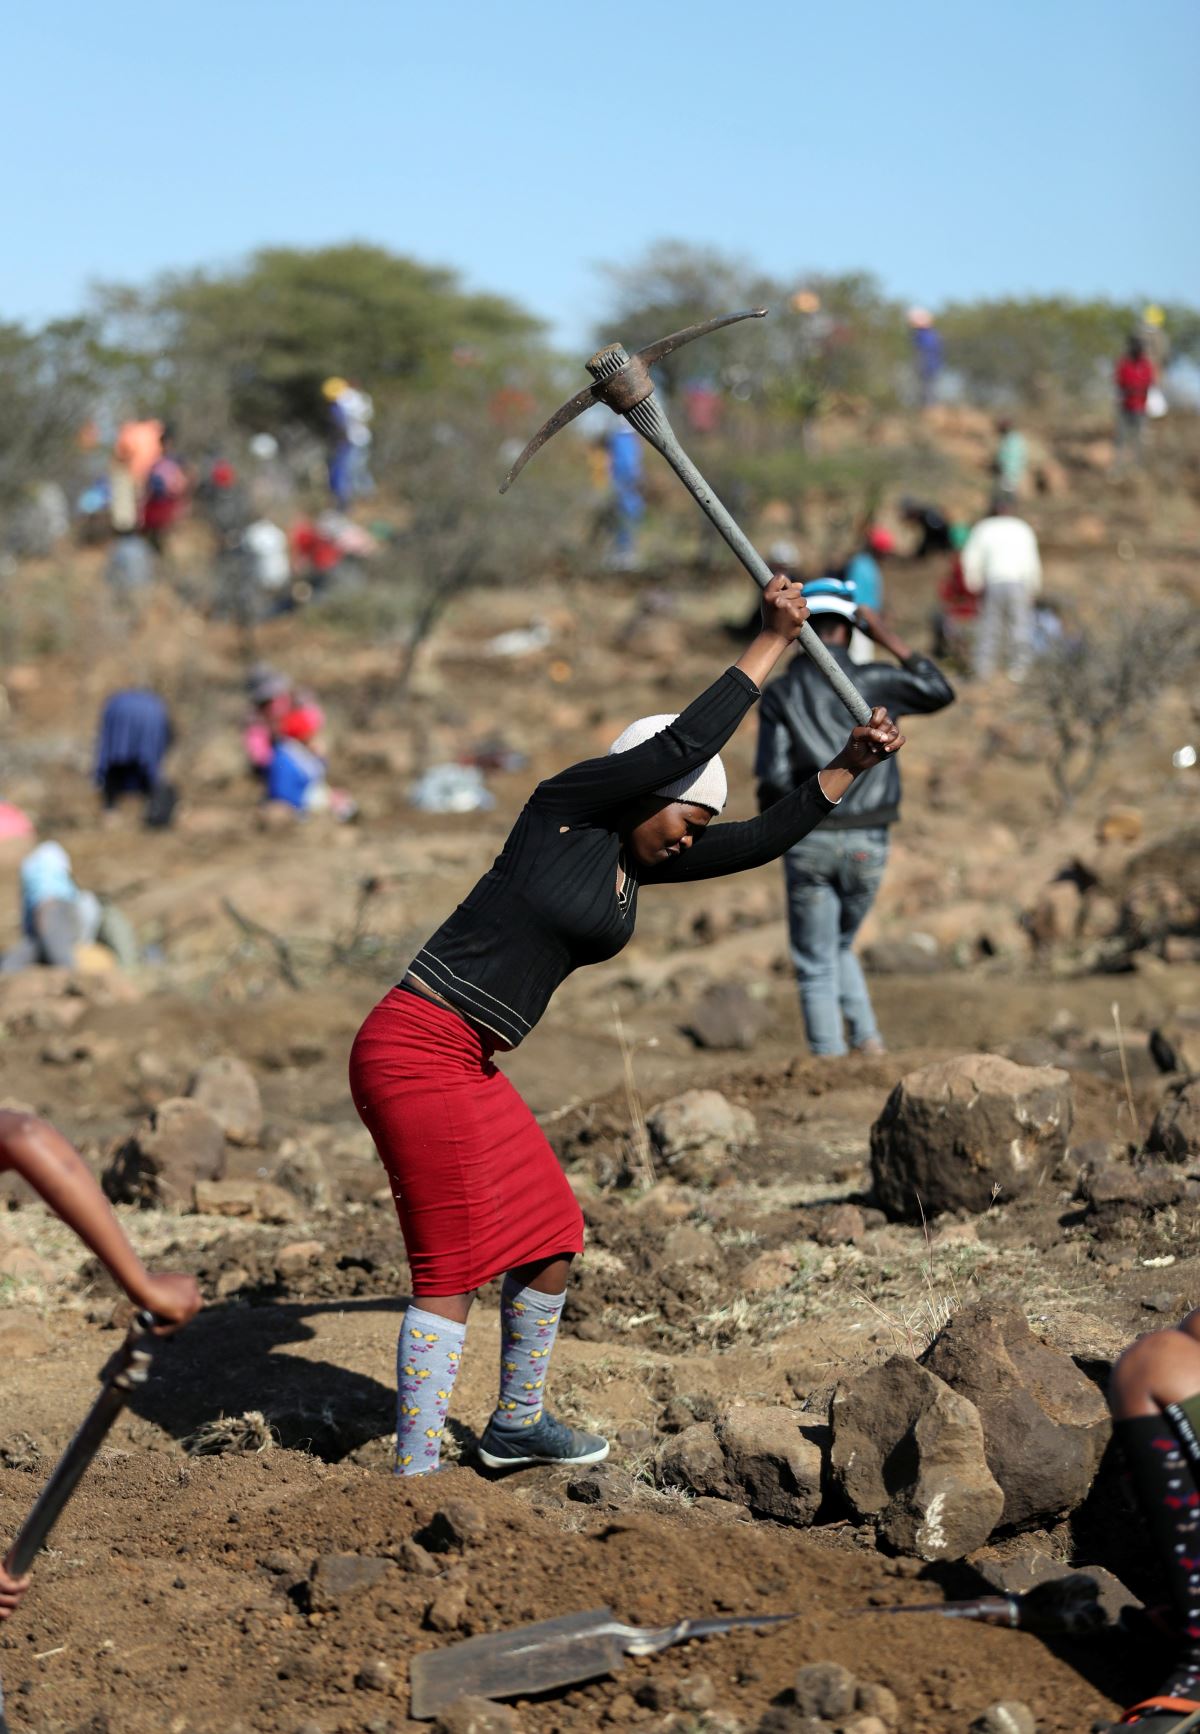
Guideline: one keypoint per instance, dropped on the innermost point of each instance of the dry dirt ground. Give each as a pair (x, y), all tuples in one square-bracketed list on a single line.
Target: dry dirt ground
[(178, 1591)]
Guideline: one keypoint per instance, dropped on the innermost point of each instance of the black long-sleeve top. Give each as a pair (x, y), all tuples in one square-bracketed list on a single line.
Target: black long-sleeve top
[(549, 903)]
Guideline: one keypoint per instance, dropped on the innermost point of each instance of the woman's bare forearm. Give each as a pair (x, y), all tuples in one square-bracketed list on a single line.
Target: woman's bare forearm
[(759, 658), (58, 1173)]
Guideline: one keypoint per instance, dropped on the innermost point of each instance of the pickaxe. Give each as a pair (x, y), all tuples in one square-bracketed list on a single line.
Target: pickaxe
[(623, 382)]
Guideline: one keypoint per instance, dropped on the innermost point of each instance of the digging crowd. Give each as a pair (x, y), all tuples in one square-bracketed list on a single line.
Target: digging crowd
[(478, 1190)]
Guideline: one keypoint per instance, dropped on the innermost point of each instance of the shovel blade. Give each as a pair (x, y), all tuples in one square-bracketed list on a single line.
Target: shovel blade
[(517, 1663)]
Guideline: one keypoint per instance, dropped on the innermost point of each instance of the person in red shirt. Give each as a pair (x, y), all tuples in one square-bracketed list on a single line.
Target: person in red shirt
[(1134, 376)]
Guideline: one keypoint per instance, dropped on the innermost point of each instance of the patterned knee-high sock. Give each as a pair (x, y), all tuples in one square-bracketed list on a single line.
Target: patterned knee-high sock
[(528, 1327), (427, 1360), (1165, 1482)]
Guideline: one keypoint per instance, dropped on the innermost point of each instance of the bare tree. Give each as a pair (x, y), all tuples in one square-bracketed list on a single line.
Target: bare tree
[(1104, 680), (444, 458)]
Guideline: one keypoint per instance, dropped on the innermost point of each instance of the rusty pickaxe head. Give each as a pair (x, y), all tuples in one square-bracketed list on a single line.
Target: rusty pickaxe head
[(620, 380)]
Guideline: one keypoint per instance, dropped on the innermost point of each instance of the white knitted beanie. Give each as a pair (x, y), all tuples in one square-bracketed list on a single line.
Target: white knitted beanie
[(707, 787)]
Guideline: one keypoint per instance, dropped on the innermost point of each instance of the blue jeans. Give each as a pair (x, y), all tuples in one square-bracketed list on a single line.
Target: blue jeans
[(832, 878)]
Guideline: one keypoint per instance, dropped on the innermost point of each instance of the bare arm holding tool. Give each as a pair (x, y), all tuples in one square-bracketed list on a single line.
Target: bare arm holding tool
[(57, 1172)]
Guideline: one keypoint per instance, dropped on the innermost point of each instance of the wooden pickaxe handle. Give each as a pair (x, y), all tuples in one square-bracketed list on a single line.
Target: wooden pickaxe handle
[(127, 1369)]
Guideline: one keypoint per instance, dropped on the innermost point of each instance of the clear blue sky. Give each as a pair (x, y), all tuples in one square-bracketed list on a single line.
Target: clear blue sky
[(954, 148)]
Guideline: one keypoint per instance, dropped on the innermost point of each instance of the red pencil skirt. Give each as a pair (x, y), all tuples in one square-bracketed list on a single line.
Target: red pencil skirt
[(478, 1189)]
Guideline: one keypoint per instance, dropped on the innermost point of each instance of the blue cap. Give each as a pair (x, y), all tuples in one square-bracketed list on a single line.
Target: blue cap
[(831, 596)]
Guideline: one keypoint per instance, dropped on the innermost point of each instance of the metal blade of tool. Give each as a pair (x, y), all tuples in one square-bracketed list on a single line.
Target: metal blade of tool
[(528, 1659), (622, 381), (593, 394), (126, 1370), (537, 1658)]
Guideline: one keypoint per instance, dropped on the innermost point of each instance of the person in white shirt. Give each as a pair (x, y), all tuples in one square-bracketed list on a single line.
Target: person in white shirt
[(1000, 560)]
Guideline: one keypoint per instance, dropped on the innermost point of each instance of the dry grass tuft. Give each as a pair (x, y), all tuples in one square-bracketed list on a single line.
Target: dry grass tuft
[(250, 1432)]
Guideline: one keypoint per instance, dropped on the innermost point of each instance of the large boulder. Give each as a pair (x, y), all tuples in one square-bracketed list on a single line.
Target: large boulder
[(960, 1134), (161, 1163), (756, 1455), (1045, 1424), (229, 1090), (697, 1132), (1175, 1133), (908, 1453)]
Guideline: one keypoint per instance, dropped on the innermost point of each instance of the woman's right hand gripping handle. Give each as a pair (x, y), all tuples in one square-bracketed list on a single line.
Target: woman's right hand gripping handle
[(784, 612)]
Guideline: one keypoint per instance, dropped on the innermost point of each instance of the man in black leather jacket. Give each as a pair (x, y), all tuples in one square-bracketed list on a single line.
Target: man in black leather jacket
[(834, 874)]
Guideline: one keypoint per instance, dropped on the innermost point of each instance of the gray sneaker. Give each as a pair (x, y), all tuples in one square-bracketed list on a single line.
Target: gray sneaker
[(550, 1441)]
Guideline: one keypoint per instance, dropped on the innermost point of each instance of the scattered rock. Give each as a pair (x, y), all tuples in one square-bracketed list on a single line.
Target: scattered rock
[(229, 1090), (23, 1337), (1010, 1717), (769, 1271), (773, 1463), (915, 954), (23, 1451), (693, 1459), (1045, 1424), (908, 1452), (621, 1709), (634, 1436), (756, 1455), (825, 1690), (231, 1280), (281, 1563), (1175, 1048), (163, 1161), (479, 1716), (253, 1200), (454, 1526), (1120, 1197), (726, 1017), (336, 1577), (786, 1719), (596, 1487), (879, 1702), (301, 1169), (697, 1692), (375, 1675), (840, 1225), (688, 1245), (1035, 1051), (411, 1556), (297, 1256), (696, 1132), (447, 1611), (1175, 1133), (964, 1132)]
